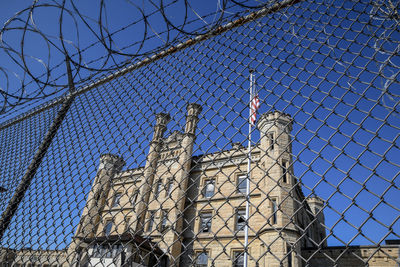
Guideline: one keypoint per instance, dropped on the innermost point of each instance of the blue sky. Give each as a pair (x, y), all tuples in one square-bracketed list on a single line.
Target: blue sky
[(314, 61)]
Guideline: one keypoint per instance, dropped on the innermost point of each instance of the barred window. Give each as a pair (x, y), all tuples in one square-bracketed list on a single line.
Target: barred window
[(201, 259), (164, 219), (134, 198), (271, 140), (168, 189), (158, 189), (205, 222), (240, 218), (106, 251), (116, 199), (285, 175), (209, 187), (151, 220), (241, 183), (274, 210), (108, 227), (238, 259), (127, 224), (289, 255)]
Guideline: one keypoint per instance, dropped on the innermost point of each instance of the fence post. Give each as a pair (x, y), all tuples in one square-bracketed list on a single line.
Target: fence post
[(26, 180)]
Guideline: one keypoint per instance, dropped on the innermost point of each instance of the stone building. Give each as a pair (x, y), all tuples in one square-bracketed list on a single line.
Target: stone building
[(185, 210), (193, 207)]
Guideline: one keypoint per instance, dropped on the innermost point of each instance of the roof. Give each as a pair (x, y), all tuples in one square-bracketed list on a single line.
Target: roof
[(137, 240)]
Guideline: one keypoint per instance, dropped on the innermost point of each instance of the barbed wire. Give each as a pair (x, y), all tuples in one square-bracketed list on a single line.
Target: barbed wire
[(37, 39)]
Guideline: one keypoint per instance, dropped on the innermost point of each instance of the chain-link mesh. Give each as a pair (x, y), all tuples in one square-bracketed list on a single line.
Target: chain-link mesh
[(155, 167)]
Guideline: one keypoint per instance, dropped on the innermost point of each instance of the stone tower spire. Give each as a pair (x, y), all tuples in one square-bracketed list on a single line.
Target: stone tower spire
[(153, 156), (279, 186), (180, 171), (162, 120), (109, 166), (192, 118)]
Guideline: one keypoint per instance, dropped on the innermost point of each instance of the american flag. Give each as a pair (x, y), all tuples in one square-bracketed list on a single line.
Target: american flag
[(254, 105)]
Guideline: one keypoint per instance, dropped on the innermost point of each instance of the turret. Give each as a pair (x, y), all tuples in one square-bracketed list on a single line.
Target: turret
[(275, 128), (279, 186), (152, 159), (179, 170), (316, 205), (162, 120), (111, 164), (192, 118), (108, 167)]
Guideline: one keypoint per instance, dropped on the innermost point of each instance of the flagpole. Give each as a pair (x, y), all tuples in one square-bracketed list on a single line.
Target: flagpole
[(246, 227)]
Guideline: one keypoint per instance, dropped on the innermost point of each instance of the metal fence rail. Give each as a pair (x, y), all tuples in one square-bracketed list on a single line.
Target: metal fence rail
[(152, 163)]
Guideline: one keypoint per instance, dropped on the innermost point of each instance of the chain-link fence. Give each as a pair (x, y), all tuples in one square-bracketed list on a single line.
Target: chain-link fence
[(158, 164)]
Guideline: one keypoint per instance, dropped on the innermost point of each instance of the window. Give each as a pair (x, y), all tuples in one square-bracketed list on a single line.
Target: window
[(289, 255), (97, 196), (116, 199), (271, 140), (158, 189), (168, 189), (106, 251), (241, 183), (240, 219), (164, 219), (127, 219), (134, 199), (274, 210), (205, 222), (201, 259), (209, 186), (151, 220), (108, 227), (238, 259), (284, 171)]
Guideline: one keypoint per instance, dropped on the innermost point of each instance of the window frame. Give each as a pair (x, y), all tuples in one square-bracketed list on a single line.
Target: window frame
[(163, 220), (106, 231), (271, 140), (289, 253), (204, 188), (134, 198), (239, 176), (234, 257), (116, 200), (151, 220), (199, 252), (158, 189), (274, 210), (201, 228), (237, 216), (285, 171), (127, 219), (168, 189)]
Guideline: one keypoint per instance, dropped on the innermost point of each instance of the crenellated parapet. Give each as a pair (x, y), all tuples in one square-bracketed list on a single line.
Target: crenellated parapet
[(275, 119), (111, 163)]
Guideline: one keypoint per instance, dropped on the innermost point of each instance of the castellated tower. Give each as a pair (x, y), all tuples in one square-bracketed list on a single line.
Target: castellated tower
[(138, 222), (167, 167), (96, 201), (280, 189)]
